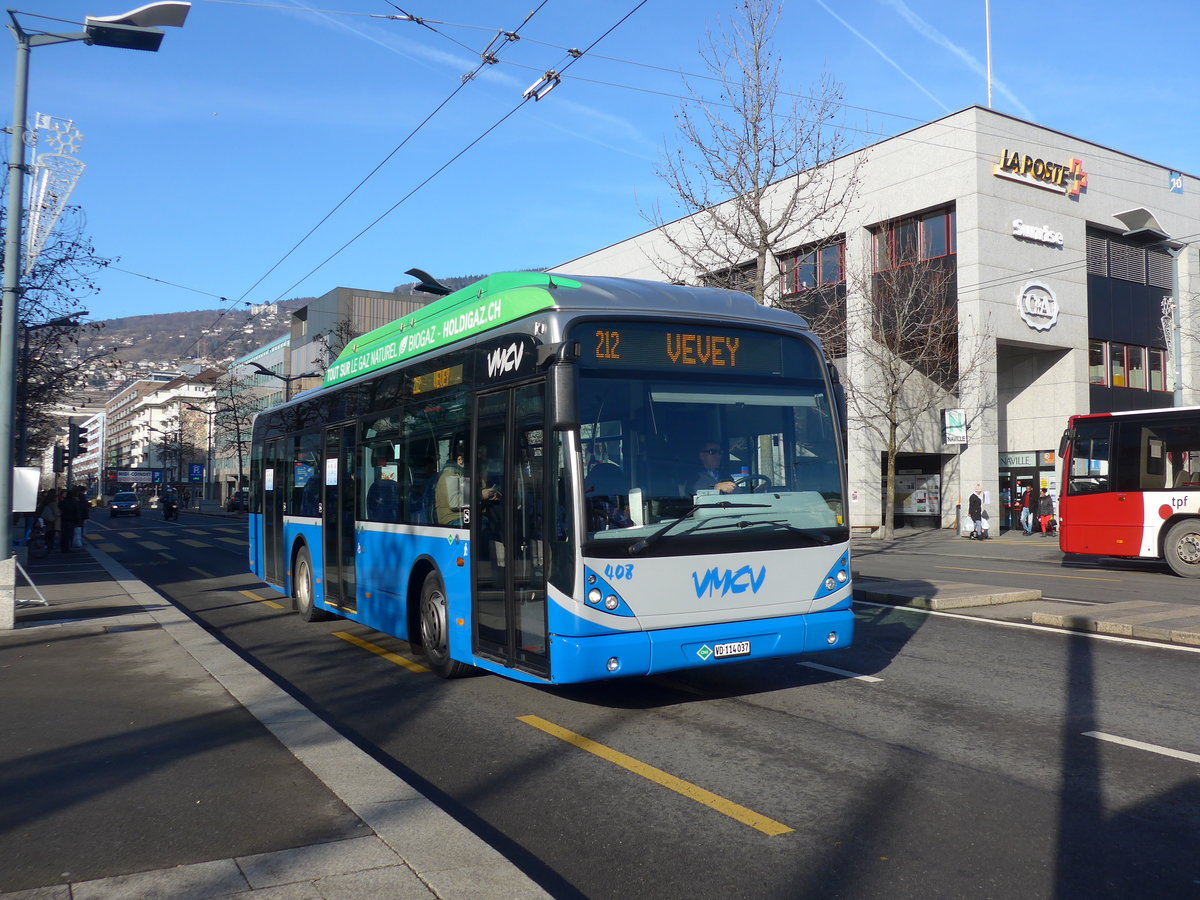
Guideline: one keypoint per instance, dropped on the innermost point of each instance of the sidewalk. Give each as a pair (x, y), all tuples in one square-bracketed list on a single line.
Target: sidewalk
[(1150, 620), (142, 758)]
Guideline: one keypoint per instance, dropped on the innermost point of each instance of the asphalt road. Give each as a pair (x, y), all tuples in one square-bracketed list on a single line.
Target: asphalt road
[(947, 757)]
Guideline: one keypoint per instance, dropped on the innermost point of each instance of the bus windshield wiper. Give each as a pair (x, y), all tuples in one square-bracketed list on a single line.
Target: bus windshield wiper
[(640, 545), (815, 534)]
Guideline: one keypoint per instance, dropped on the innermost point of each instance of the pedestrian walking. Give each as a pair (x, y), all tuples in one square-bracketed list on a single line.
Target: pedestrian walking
[(1027, 510), (975, 511), (68, 514), (49, 514), (84, 509), (1046, 512)]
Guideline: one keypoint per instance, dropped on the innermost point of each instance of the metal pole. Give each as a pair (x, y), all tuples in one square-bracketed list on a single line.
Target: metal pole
[(1176, 323), (12, 293), (987, 15)]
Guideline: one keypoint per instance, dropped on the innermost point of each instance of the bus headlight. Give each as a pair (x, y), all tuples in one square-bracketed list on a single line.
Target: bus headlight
[(594, 595), (842, 577), (830, 584), (611, 602), (831, 638), (613, 664)]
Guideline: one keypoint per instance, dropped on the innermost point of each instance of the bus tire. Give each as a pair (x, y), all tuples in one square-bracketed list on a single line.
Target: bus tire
[(304, 587), (435, 629), (1182, 548)]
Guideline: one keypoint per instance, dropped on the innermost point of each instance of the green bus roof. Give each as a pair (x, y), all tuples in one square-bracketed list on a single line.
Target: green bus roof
[(490, 303)]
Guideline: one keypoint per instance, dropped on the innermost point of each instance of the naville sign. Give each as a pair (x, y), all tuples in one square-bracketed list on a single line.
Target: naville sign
[(472, 310)]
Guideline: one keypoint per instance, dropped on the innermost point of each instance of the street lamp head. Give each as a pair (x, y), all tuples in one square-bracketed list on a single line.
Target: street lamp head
[(135, 29)]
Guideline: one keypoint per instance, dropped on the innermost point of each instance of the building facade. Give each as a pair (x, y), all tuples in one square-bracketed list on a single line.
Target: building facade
[(1069, 264)]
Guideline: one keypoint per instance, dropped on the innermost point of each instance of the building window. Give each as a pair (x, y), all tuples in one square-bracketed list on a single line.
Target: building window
[(1097, 370), (1135, 361), (1127, 366), (1111, 255), (1116, 359), (1158, 370), (905, 241), (814, 266)]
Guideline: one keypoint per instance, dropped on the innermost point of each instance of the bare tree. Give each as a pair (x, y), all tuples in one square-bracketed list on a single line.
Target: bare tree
[(53, 361), (907, 358), (236, 404), (756, 170), (332, 343)]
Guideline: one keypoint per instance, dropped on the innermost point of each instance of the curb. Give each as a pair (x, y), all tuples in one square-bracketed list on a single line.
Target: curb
[(1160, 632), (923, 595)]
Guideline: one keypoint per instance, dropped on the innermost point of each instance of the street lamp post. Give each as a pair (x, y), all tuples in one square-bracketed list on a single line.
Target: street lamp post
[(133, 30), (286, 379)]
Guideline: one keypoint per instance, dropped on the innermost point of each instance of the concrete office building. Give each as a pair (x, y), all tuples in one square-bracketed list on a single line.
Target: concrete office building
[(1060, 252)]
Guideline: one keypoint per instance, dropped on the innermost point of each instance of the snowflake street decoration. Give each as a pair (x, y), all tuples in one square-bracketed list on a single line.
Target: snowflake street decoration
[(53, 179)]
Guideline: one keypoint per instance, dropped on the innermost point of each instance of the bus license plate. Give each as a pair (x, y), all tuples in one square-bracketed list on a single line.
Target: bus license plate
[(733, 648)]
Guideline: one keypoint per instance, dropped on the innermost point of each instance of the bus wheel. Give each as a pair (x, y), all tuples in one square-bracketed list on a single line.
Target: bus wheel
[(302, 587), (1182, 548), (435, 629)]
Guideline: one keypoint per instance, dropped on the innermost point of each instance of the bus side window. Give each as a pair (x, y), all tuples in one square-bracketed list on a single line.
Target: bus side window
[(1089, 459), (381, 470)]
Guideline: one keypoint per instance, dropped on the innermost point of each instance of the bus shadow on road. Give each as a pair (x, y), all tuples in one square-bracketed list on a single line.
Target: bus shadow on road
[(880, 634)]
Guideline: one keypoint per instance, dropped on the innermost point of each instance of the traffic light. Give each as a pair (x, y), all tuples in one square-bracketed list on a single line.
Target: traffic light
[(60, 459), (77, 442)]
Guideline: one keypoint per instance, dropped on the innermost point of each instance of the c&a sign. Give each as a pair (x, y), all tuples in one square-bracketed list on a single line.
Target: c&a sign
[(1061, 178)]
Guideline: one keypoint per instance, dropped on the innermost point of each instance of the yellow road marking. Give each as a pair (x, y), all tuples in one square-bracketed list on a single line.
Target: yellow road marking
[(241, 542), (380, 651), (153, 545), (164, 533), (108, 548), (1039, 574), (201, 572), (190, 542), (658, 776), (128, 534), (264, 600)]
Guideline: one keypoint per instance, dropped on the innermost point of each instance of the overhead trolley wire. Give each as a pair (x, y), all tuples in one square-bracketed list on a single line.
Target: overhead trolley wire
[(573, 56)]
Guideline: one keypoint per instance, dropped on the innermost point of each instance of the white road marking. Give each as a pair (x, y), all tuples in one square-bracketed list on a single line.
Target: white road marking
[(1043, 629), (1142, 745), (843, 672)]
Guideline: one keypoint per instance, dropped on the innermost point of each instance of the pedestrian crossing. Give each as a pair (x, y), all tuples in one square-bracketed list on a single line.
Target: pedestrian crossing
[(135, 541)]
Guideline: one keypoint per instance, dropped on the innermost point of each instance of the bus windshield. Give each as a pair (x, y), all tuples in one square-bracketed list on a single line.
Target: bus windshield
[(730, 465)]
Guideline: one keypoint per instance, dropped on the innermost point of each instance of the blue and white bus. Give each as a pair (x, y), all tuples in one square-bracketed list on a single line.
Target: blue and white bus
[(511, 479)]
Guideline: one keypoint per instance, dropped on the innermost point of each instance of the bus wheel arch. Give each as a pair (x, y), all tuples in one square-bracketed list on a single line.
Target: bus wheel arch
[(1181, 547), (304, 586), (434, 621)]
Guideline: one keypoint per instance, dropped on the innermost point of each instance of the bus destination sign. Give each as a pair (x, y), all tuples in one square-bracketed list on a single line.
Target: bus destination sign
[(689, 347)]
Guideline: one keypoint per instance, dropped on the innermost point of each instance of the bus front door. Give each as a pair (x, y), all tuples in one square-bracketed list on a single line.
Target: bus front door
[(337, 517), (507, 542), (272, 509)]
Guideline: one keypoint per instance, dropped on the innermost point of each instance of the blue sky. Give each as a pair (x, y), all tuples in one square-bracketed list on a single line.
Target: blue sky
[(210, 160)]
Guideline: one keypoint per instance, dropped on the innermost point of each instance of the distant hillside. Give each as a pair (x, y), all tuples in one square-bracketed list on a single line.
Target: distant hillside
[(215, 333), (164, 340)]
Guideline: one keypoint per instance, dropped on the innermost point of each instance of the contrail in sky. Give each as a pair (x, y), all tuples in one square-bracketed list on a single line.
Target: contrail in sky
[(858, 34), (933, 35)]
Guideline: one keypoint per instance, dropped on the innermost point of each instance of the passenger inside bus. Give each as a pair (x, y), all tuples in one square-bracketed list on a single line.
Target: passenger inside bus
[(449, 491)]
